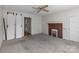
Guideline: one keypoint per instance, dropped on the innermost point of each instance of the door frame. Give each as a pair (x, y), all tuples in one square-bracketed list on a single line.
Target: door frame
[(24, 25)]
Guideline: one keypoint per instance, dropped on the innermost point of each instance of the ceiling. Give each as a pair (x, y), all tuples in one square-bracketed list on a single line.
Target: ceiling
[(29, 9)]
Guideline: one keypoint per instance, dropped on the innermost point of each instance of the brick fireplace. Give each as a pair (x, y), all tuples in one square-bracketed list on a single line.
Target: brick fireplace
[(56, 28)]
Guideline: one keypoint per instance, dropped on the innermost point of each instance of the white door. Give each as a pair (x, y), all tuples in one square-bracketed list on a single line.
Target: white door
[(18, 26), (10, 26), (74, 28)]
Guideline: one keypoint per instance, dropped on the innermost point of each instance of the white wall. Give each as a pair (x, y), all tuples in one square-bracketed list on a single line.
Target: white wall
[(1, 27), (60, 17), (36, 21)]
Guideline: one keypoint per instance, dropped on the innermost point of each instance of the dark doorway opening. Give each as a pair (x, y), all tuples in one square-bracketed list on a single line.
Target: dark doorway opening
[(27, 26)]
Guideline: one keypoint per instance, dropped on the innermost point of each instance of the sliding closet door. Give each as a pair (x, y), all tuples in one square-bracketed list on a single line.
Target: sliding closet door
[(10, 26), (18, 26)]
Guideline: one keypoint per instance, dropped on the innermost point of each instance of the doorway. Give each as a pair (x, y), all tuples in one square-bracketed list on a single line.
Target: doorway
[(27, 26)]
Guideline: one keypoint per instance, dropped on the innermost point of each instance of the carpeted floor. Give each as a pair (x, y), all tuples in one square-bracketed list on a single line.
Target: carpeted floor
[(40, 43)]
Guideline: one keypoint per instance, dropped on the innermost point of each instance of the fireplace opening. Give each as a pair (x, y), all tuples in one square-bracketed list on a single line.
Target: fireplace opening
[(55, 29)]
